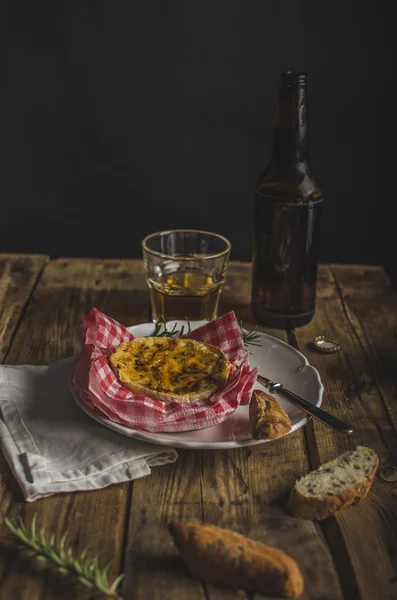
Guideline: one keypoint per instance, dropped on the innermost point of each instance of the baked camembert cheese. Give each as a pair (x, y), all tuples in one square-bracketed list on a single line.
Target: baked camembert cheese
[(170, 369)]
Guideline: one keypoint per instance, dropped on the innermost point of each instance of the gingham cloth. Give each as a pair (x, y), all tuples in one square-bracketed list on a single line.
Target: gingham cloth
[(99, 388)]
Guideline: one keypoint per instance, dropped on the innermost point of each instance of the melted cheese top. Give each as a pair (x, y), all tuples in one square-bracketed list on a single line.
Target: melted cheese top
[(171, 365)]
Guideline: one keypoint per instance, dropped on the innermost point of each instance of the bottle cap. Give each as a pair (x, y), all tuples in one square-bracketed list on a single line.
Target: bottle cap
[(389, 474), (327, 344)]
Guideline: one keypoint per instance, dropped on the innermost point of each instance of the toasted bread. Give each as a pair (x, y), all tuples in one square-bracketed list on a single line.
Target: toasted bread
[(267, 417), (223, 556), (171, 369), (343, 481)]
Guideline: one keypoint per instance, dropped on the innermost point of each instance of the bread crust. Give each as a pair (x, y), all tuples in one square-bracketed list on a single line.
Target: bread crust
[(268, 419), (222, 556), (317, 508)]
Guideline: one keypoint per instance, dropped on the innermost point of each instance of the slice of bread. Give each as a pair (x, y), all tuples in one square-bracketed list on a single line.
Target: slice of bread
[(170, 369), (268, 419), (337, 484)]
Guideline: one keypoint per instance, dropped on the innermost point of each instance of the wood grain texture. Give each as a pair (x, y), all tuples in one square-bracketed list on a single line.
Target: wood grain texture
[(353, 393), (243, 490), (43, 306), (50, 330), (18, 276)]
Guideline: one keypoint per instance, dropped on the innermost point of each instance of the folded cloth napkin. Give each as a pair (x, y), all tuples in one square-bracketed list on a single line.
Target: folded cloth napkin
[(52, 446)]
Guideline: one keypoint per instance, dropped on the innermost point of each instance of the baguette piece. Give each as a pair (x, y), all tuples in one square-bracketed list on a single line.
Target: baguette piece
[(170, 369), (222, 556), (267, 417), (343, 481)]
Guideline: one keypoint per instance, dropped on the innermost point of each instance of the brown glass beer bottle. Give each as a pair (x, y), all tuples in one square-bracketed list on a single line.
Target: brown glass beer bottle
[(288, 205)]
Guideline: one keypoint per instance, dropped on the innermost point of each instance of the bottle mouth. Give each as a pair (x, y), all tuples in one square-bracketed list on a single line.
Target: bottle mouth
[(294, 78)]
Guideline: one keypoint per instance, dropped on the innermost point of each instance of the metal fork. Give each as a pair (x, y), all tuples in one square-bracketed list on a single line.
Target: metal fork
[(307, 407)]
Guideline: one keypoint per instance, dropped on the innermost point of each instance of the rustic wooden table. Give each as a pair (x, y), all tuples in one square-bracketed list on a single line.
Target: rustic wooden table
[(352, 556)]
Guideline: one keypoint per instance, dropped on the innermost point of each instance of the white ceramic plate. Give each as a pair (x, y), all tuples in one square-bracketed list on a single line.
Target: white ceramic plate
[(275, 359)]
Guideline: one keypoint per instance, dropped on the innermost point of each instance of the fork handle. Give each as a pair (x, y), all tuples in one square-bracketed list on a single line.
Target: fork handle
[(307, 407)]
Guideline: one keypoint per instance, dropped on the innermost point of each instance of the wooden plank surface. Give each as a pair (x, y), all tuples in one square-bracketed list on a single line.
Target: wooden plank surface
[(359, 390), (233, 489), (243, 490), (351, 556), (18, 276), (50, 330)]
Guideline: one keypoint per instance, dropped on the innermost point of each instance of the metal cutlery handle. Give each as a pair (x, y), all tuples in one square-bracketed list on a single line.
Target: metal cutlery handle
[(307, 407)]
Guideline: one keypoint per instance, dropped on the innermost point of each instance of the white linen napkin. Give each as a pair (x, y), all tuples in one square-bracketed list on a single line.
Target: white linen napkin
[(52, 445)]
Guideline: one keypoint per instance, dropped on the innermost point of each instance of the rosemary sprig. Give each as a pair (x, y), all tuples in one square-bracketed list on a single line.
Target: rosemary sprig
[(250, 338), (87, 572), (160, 329)]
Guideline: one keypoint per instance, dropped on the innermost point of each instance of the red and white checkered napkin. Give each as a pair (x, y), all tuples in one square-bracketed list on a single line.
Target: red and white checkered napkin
[(100, 389)]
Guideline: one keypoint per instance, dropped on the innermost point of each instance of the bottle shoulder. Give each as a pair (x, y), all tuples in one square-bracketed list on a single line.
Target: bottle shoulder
[(290, 183)]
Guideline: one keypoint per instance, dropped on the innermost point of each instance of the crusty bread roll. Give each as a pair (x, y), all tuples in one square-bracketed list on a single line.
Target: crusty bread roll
[(222, 556), (267, 417), (170, 369), (343, 481)]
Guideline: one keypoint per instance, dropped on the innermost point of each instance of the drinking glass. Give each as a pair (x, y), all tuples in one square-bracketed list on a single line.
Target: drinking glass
[(185, 271)]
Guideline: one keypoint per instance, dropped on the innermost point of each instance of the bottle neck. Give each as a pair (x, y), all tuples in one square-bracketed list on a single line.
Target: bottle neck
[(290, 146)]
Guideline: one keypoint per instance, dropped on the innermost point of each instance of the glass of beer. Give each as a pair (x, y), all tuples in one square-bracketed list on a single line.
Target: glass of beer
[(185, 271)]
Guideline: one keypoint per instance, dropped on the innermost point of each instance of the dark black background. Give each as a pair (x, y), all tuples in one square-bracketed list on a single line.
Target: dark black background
[(122, 118)]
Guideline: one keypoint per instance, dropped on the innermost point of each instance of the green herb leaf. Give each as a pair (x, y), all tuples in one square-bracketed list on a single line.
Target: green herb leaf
[(160, 329), (250, 338), (87, 572)]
